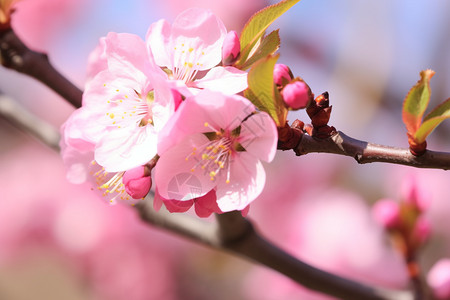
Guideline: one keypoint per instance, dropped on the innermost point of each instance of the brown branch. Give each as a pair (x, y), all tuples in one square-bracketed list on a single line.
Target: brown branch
[(16, 55), (364, 152)]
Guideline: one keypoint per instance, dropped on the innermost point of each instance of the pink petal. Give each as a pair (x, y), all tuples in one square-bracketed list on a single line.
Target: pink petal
[(217, 110), (206, 205), (127, 54), (203, 31), (259, 136), (173, 172), (158, 40), (124, 149), (178, 206), (227, 80), (246, 183)]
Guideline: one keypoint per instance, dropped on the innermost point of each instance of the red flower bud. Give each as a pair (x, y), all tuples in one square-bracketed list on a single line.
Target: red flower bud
[(231, 48), (282, 75), (296, 95), (137, 182)]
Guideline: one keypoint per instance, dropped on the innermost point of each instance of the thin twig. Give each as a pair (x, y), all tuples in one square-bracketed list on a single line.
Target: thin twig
[(364, 152)]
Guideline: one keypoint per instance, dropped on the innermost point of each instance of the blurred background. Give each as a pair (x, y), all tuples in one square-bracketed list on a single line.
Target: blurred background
[(57, 241)]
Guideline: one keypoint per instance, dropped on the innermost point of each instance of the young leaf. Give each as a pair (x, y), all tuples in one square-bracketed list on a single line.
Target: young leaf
[(432, 120), (258, 23), (268, 46), (262, 91), (416, 102)]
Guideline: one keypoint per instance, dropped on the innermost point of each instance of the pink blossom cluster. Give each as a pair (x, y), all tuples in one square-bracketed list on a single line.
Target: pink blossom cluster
[(169, 104)]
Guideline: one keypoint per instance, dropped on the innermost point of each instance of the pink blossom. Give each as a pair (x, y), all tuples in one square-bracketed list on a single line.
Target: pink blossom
[(439, 279), (124, 107), (191, 49), (215, 142)]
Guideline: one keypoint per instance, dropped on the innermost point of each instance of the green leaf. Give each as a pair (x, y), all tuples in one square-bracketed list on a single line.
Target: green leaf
[(416, 102), (258, 23), (432, 120), (262, 91), (268, 46)]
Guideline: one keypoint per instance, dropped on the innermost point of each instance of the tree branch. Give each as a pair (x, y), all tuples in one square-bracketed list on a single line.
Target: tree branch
[(364, 152), (15, 55)]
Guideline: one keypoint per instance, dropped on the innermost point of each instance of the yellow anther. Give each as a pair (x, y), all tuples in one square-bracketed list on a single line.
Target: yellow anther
[(206, 124), (192, 170), (191, 49), (111, 115), (117, 90), (205, 156), (190, 65), (227, 181)]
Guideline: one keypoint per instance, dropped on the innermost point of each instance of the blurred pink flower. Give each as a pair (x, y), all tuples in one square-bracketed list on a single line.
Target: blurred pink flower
[(191, 46), (438, 279), (217, 141)]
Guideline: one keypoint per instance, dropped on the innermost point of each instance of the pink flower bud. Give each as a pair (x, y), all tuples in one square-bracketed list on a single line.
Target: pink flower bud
[(439, 279), (137, 182), (421, 231), (231, 48), (415, 195), (387, 213), (282, 75), (296, 95)]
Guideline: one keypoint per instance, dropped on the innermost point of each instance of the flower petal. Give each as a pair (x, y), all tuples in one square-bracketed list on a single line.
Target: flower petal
[(259, 136), (228, 80), (246, 183), (127, 54), (124, 149), (206, 205), (200, 30), (173, 172), (216, 110), (158, 40)]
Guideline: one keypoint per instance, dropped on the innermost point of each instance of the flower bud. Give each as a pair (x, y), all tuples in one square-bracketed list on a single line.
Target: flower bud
[(421, 231), (439, 279), (231, 48), (297, 95), (282, 75), (387, 213), (137, 182), (415, 195)]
